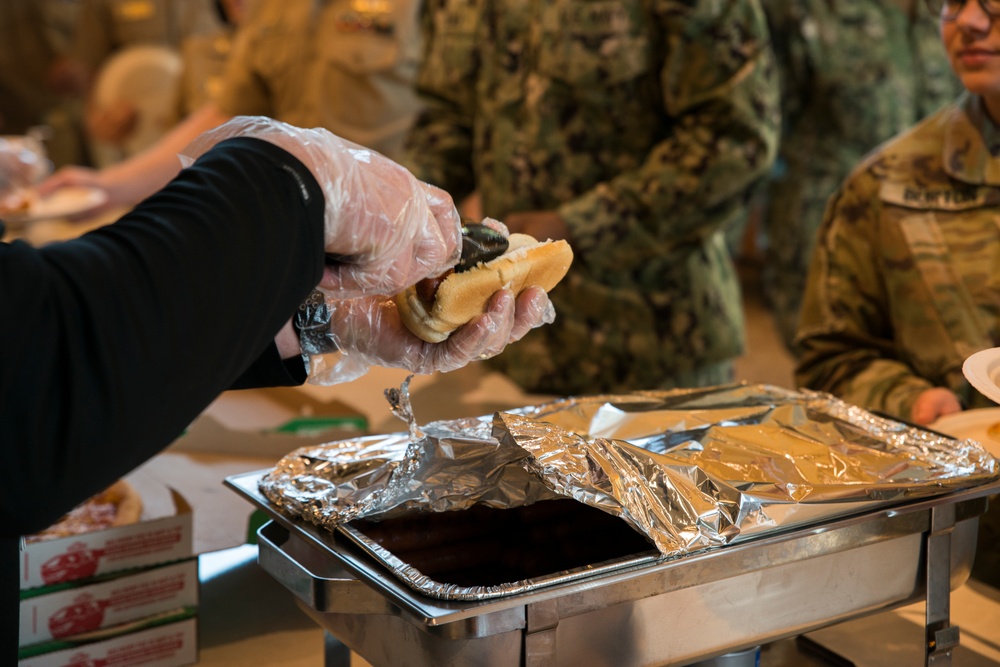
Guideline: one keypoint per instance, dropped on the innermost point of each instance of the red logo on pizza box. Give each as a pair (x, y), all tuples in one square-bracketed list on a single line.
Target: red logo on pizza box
[(84, 615), (78, 562), (84, 660)]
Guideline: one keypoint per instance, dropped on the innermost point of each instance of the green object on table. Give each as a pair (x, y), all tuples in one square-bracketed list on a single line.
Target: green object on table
[(257, 519), (316, 425)]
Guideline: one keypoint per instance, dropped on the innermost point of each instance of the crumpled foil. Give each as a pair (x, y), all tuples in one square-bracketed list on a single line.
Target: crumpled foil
[(690, 469)]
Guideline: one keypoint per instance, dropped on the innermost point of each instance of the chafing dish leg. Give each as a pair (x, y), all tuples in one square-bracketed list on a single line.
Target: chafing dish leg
[(335, 653), (940, 636), (540, 634)]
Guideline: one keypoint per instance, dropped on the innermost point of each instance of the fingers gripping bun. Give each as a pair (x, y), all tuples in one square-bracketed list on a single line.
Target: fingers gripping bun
[(461, 297)]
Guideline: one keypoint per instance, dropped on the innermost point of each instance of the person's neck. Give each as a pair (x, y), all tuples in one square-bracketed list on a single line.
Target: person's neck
[(992, 106)]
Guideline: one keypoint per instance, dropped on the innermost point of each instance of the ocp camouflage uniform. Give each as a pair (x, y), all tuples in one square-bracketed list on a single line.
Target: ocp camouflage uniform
[(853, 75), (642, 123), (905, 281)]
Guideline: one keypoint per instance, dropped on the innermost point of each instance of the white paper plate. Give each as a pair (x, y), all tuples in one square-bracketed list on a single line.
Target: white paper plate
[(68, 201), (973, 425), (982, 370)]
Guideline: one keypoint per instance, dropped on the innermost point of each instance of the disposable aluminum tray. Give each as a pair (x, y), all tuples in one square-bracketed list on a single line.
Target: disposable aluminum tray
[(640, 608)]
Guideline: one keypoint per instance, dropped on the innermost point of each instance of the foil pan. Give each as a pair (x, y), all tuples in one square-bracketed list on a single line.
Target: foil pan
[(688, 469)]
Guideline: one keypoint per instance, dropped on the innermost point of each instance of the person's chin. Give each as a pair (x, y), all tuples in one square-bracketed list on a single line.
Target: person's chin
[(984, 82)]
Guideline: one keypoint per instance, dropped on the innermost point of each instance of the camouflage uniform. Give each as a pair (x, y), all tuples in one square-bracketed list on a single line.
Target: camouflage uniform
[(346, 65), (904, 283), (642, 123), (853, 75)]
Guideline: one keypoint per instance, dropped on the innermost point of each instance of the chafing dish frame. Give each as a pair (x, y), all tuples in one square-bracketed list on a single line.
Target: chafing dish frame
[(861, 564)]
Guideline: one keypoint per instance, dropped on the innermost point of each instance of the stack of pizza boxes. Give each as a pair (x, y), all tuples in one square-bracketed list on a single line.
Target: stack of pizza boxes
[(126, 595)]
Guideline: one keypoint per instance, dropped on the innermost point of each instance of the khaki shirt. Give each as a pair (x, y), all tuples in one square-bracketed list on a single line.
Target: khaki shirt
[(105, 26), (643, 123), (203, 59), (905, 279), (329, 64)]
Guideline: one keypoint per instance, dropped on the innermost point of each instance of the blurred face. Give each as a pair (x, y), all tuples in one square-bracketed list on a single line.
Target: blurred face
[(971, 37)]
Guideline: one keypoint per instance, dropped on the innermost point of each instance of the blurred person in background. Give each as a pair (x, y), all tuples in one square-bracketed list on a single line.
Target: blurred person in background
[(632, 129), (34, 93), (904, 282), (109, 27), (344, 65), (203, 59), (853, 74)]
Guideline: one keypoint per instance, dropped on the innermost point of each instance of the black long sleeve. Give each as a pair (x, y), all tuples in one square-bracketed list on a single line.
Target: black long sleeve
[(111, 344)]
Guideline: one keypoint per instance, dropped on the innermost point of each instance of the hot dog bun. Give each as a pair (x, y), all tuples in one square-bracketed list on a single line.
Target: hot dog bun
[(463, 296)]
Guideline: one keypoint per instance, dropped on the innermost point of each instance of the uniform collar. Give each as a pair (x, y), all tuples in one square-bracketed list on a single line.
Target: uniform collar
[(972, 143)]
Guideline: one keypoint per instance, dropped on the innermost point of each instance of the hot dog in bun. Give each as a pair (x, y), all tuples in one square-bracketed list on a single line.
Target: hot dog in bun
[(435, 307)]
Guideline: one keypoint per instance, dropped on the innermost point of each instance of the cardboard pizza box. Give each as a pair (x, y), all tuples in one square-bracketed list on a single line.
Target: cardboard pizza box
[(269, 423), (163, 536), (61, 612), (169, 640)]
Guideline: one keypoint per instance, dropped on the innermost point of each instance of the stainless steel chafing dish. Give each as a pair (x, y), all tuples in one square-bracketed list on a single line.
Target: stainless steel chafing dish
[(611, 599)]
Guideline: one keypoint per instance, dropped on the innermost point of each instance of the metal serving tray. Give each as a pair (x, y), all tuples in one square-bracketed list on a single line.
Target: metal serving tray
[(639, 610)]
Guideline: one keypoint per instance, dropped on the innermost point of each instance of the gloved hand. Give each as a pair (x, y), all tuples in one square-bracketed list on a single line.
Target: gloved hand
[(388, 229), (368, 332)]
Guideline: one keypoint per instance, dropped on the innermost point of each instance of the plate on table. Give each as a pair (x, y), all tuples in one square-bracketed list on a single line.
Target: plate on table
[(981, 425), (65, 202), (982, 370)]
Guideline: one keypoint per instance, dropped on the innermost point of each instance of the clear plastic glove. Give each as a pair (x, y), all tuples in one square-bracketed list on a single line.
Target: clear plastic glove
[(387, 229), (368, 332)]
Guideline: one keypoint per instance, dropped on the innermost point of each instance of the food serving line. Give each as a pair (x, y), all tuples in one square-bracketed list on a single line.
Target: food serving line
[(407, 589), (640, 608), (643, 612)]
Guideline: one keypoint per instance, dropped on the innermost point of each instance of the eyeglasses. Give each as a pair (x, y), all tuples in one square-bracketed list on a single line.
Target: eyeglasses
[(948, 10)]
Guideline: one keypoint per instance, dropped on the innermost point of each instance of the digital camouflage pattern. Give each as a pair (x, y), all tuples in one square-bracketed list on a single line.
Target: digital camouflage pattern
[(905, 283), (643, 122), (853, 74)]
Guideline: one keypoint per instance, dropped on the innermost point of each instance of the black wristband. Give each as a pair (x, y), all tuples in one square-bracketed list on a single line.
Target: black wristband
[(312, 324)]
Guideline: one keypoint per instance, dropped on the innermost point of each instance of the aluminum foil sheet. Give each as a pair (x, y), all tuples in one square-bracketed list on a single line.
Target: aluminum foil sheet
[(690, 469)]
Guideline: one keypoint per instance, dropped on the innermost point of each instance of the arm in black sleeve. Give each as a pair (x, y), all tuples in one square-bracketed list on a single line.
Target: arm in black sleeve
[(270, 370), (111, 344)]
